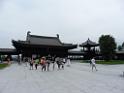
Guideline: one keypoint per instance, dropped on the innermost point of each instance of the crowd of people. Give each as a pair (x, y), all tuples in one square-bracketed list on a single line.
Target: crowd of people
[(46, 62)]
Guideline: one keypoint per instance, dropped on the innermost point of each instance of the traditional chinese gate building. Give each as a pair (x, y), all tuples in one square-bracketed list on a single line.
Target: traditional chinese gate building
[(42, 46)]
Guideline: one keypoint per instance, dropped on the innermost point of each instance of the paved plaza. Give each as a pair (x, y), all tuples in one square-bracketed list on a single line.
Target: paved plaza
[(78, 78)]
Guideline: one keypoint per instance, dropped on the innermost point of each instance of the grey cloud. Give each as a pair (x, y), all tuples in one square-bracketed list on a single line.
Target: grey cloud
[(74, 20)]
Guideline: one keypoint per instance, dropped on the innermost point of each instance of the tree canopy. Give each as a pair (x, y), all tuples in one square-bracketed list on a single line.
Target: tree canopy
[(120, 47), (107, 46)]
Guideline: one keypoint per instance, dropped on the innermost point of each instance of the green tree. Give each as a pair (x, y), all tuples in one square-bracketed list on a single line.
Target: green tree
[(107, 46), (119, 48), (122, 45)]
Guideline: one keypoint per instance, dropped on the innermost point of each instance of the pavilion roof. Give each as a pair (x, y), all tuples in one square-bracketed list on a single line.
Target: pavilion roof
[(88, 43)]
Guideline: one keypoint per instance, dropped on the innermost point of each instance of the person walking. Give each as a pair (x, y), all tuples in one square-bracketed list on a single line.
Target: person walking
[(43, 63), (53, 61), (48, 61), (63, 61), (31, 64), (90, 62), (93, 61), (58, 61), (26, 61), (36, 63), (68, 62)]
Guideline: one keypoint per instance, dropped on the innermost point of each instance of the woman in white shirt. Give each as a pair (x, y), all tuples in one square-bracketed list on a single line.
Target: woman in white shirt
[(93, 63)]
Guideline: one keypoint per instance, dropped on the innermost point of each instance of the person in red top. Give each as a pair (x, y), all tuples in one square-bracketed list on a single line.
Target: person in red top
[(43, 63)]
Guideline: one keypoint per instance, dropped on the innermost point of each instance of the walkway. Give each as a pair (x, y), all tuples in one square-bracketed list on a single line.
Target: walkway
[(75, 79)]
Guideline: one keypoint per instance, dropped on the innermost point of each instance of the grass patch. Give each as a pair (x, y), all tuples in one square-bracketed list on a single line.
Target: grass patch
[(111, 62), (3, 65)]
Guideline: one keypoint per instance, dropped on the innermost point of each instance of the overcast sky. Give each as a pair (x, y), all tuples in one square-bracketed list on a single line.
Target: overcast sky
[(73, 20)]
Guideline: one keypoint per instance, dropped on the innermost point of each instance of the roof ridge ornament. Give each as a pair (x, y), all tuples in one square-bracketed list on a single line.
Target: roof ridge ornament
[(57, 35), (28, 33), (88, 39), (28, 36)]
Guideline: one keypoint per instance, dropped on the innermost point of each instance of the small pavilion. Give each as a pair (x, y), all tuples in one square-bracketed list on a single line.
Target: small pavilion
[(89, 49)]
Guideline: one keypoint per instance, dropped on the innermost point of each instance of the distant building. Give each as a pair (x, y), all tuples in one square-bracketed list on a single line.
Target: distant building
[(119, 55), (38, 46), (8, 51)]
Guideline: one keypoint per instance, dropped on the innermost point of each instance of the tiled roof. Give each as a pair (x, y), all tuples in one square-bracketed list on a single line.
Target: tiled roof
[(43, 40)]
